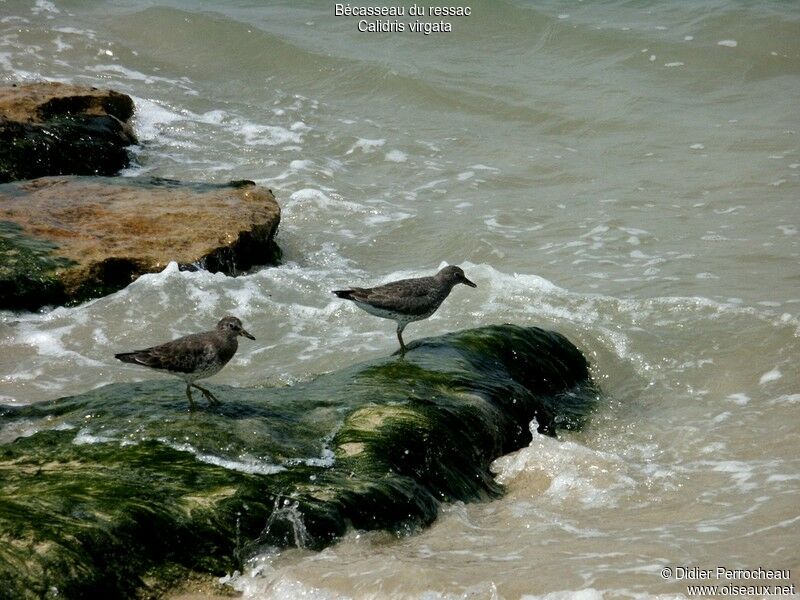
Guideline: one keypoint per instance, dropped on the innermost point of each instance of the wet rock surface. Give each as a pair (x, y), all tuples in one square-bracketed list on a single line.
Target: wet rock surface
[(105, 491), (67, 239), (60, 129)]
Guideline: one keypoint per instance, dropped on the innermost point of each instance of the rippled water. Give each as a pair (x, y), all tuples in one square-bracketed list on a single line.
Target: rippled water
[(624, 172)]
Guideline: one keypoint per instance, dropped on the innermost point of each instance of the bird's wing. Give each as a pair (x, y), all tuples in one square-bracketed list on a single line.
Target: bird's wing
[(410, 296), (180, 356)]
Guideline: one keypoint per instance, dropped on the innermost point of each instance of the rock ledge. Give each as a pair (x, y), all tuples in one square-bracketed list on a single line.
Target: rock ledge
[(67, 239)]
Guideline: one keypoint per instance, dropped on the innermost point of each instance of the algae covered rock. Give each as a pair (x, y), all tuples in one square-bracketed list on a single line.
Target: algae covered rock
[(106, 490), (60, 129), (67, 239)]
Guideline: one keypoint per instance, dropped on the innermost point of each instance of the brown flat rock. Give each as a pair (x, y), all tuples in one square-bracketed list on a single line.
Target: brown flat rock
[(40, 102), (66, 239)]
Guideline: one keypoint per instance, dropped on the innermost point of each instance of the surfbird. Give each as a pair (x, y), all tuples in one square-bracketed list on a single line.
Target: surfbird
[(194, 356), (407, 300)]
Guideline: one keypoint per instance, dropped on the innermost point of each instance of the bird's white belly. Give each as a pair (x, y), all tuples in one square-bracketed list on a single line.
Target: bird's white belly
[(201, 373), (389, 314)]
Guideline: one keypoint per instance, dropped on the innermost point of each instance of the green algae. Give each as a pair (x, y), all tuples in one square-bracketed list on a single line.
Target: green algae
[(64, 145), (28, 269), (122, 489)]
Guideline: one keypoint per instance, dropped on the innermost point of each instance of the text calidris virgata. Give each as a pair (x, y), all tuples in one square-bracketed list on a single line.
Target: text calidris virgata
[(194, 356), (407, 300)]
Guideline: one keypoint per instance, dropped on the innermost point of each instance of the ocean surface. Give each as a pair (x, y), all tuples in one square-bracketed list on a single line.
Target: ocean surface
[(625, 172)]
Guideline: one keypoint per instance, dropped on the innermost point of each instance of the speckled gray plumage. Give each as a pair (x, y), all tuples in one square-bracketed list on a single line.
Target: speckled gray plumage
[(192, 357), (406, 300)]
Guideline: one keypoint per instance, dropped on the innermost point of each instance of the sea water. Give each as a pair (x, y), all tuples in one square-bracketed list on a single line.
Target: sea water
[(626, 173)]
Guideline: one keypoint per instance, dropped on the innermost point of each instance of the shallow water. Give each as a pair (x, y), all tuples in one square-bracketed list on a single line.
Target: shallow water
[(626, 173)]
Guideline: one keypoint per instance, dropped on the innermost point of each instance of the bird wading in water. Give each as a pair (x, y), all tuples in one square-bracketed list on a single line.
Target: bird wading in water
[(407, 300), (194, 356)]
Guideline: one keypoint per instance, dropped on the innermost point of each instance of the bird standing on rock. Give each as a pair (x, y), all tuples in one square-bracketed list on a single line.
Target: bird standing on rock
[(407, 300), (194, 356)]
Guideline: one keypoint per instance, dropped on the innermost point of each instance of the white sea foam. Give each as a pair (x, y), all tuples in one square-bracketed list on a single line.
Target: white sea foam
[(325, 460), (49, 342), (739, 398), (172, 128), (17, 429), (396, 156), (319, 199), (741, 473), (214, 117), (89, 33), (366, 146), (85, 437), (379, 218), (564, 471), (269, 135), (60, 44), (430, 185), (129, 74), (299, 165), (5, 61), (770, 376), (244, 463), (266, 584), (728, 43), (150, 117), (786, 399), (44, 6)]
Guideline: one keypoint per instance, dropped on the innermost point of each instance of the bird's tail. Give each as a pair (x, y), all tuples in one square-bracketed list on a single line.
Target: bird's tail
[(346, 294), (128, 357)]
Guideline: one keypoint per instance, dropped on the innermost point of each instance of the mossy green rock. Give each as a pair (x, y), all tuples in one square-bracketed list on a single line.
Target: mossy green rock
[(104, 491), (29, 269)]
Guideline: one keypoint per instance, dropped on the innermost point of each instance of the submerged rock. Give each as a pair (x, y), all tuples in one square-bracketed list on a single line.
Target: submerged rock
[(106, 490), (67, 239), (61, 129)]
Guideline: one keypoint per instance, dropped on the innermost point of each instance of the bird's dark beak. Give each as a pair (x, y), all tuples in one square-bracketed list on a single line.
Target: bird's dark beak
[(469, 283), (245, 334)]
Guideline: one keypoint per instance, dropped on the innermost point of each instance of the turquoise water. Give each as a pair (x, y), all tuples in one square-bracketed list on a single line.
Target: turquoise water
[(624, 172)]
